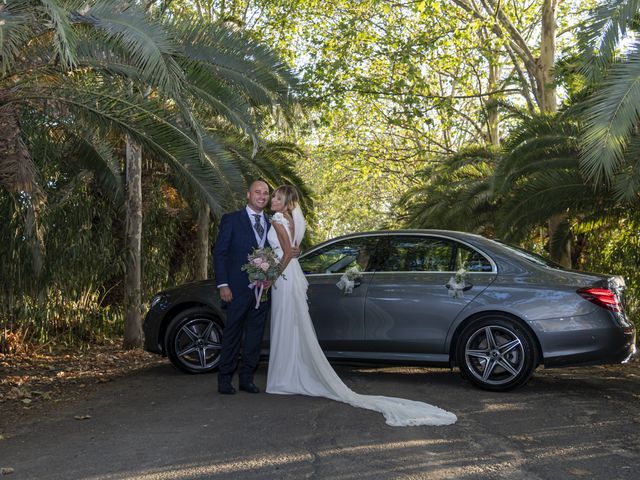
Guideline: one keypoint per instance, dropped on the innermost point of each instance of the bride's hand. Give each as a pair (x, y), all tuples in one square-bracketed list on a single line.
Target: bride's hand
[(295, 250)]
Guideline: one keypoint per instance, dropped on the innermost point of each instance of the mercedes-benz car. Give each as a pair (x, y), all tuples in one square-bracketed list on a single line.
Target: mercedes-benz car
[(426, 297)]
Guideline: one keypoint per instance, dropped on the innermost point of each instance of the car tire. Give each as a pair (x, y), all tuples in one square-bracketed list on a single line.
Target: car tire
[(496, 353), (194, 339)]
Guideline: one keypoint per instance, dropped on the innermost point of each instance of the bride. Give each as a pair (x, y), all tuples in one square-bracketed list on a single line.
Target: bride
[(297, 364)]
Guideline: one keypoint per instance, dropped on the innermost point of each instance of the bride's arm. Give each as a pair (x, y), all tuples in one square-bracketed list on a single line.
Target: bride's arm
[(287, 248)]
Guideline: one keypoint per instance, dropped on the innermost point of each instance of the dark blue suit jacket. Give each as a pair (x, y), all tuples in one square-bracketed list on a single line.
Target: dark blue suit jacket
[(235, 242)]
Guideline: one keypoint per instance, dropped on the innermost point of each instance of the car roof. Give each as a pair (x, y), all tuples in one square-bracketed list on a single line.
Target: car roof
[(472, 237)]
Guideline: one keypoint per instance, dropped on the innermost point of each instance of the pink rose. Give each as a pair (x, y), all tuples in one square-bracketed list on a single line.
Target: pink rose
[(264, 266)]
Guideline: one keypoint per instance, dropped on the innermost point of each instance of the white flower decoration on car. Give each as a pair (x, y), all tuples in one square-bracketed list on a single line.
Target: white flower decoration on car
[(456, 284), (348, 279)]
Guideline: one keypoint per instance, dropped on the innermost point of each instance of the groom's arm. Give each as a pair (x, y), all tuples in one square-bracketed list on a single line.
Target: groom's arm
[(220, 253)]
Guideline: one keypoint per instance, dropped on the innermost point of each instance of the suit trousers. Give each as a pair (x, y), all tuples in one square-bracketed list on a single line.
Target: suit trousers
[(243, 320)]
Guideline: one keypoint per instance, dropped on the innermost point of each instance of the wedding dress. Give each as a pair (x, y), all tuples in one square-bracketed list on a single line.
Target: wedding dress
[(297, 364)]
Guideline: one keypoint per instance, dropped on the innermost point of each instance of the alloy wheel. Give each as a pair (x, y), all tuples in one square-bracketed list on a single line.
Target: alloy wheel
[(494, 355), (197, 344)]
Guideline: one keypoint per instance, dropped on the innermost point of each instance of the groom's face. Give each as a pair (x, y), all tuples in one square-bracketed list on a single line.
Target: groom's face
[(258, 196)]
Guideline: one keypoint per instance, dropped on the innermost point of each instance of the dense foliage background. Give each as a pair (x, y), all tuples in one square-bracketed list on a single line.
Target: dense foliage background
[(516, 120)]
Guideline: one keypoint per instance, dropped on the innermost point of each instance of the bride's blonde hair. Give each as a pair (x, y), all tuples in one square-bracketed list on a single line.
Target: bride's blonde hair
[(289, 194)]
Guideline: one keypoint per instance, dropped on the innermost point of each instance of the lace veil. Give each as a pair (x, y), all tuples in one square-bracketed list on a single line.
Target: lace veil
[(300, 224)]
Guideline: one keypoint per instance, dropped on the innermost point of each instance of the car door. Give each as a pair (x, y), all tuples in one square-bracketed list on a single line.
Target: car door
[(338, 317), (409, 308)]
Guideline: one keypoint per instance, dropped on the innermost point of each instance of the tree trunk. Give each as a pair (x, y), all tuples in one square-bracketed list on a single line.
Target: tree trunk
[(493, 117), (547, 89), (560, 240), (18, 174), (133, 245), (202, 245), (34, 234)]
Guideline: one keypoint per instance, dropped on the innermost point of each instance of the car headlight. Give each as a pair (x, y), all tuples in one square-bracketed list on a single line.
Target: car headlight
[(155, 300)]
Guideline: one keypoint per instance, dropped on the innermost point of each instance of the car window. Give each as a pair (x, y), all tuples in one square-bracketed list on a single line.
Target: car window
[(339, 256), (419, 254), (471, 260), (532, 257)]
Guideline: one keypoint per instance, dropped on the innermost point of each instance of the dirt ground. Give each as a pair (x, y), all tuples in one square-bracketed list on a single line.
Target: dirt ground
[(41, 379)]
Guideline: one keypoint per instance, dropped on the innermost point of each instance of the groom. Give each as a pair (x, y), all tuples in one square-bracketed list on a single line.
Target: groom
[(239, 233)]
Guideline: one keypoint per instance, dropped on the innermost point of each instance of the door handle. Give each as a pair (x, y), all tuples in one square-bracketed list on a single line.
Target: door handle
[(468, 286)]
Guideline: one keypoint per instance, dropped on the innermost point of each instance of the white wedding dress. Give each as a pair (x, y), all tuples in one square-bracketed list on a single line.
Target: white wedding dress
[(297, 364)]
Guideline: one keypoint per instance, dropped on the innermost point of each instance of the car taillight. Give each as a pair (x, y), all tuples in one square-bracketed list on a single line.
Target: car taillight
[(602, 297)]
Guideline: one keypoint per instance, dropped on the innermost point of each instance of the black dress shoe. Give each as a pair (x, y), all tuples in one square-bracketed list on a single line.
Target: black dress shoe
[(226, 389), (249, 387)]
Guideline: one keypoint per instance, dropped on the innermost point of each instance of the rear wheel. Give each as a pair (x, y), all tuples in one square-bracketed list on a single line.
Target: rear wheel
[(496, 353), (194, 340)]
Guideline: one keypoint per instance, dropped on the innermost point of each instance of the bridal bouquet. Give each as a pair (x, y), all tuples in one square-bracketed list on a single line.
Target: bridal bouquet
[(263, 267)]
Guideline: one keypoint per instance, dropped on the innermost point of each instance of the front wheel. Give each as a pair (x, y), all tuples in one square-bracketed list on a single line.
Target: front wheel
[(194, 340), (496, 353)]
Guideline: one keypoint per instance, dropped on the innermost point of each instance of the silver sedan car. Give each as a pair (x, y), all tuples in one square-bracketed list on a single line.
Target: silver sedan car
[(426, 297)]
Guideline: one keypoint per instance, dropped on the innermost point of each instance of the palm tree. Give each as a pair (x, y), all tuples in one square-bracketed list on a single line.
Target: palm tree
[(106, 75), (508, 192), (456, 193), (539, 178), (610, 139)]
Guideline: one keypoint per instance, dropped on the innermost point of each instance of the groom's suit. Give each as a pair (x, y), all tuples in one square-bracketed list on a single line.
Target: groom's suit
[(236, 240)]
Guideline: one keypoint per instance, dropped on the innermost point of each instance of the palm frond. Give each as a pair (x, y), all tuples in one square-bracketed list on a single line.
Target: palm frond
[(601, 34), (542, 196), (234, 58), (161, 138), (222, 101), (626, 183), (95, 153), (456, 194), (147, 43), (57, 19), (611, 118), (15, 31)]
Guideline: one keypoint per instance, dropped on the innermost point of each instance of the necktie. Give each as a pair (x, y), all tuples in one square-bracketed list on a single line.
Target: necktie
[(257, 225)]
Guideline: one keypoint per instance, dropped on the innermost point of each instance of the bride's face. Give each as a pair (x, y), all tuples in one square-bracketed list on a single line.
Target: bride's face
[(277, 204)]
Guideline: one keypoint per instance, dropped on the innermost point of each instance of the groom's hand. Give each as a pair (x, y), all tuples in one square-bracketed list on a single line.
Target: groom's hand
[(225, 294)]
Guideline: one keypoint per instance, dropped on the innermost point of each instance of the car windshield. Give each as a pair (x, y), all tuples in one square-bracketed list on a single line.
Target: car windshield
[(532, 257)]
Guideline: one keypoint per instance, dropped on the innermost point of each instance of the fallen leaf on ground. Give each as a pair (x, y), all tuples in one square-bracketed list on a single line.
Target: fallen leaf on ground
[(82, 417), (6, 470), (579, 472)]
